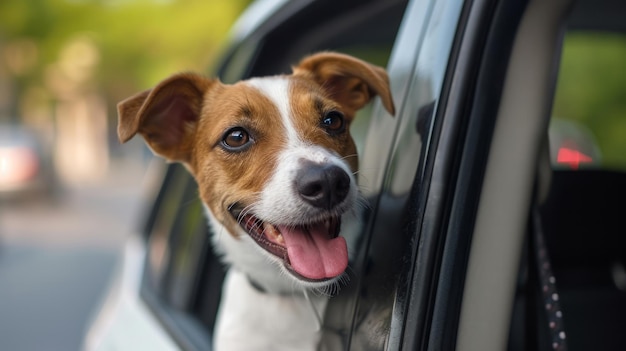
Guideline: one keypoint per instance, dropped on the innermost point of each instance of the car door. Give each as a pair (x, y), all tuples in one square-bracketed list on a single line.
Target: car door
[(514, 271)]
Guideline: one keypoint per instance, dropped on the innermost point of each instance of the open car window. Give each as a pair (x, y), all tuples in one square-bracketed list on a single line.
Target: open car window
[(182, 282)]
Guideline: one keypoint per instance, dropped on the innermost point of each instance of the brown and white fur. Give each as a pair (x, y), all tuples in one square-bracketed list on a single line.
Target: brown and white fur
[(275, 163)]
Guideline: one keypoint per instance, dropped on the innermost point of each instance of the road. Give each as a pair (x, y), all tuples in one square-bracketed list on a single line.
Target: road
[(56, 258)]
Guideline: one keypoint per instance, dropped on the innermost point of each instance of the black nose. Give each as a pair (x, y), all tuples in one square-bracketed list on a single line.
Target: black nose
[(322, 185)]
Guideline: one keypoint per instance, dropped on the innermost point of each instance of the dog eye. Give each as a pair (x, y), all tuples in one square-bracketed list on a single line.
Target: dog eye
[(236, 139), (333, 122)]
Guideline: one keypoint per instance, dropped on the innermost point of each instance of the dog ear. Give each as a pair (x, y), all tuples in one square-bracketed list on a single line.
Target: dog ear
[(348, 80), (166, 116)]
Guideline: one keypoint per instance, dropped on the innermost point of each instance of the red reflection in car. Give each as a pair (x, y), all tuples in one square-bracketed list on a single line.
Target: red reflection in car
[(572, 157)]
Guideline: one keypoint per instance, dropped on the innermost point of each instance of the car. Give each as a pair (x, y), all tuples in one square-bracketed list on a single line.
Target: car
[(25, 168), (475, 237)]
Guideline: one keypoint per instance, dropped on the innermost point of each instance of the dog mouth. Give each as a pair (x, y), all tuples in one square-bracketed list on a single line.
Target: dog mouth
[(312, 252)]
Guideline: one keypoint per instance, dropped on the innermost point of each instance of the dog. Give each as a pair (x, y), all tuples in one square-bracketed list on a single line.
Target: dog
[(275, 166)]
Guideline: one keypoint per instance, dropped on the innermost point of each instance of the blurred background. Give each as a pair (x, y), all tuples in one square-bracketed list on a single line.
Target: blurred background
[(69, 193)]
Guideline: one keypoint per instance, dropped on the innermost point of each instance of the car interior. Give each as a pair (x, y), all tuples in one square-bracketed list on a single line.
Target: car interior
[(581, 215), (579, 211)]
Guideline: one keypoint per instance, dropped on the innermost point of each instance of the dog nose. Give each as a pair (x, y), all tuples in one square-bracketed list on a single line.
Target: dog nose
[(322, 185)]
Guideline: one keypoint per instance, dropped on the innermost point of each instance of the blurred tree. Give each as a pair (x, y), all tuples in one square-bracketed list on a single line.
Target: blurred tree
[(65, 64), (138, 42)]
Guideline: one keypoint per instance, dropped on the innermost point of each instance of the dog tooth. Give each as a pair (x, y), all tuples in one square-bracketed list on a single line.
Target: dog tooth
[(273, 233), (269, 229)]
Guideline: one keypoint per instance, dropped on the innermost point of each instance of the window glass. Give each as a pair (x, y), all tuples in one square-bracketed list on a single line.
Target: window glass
[(177, 241), (588, 127), (159, 251), (375, 54), (178, 252), (187, 248)]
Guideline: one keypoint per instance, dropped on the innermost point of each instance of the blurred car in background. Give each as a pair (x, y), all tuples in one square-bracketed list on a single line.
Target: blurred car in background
[(25, 165), (459, 185)]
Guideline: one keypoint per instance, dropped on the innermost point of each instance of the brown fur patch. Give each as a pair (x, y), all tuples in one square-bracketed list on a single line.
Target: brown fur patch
[(348, 80), (309, 104), (226, 177)]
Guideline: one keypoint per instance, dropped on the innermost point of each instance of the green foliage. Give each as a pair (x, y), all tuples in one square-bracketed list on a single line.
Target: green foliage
[(138, 42), (592, 90)]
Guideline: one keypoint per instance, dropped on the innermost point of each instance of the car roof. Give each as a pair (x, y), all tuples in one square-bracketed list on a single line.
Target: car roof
[(257, 13)]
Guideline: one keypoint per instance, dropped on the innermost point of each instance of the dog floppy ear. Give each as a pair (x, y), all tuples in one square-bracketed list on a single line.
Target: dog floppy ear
[(166, 116), (348, 80)]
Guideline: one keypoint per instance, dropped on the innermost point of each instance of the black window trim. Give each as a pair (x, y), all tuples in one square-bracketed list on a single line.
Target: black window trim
[(484, 36), (493, 28)]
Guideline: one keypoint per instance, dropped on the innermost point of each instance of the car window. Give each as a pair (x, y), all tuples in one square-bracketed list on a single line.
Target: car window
[(372, 314), (589, 116), (165, 217), (183, 276), (187, 249), (581, 212), (178, 246)]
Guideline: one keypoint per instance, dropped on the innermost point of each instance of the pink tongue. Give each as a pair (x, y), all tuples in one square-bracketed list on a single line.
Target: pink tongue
[(313, 254)]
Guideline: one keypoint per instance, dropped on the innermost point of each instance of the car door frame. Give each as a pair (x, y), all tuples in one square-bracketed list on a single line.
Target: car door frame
[(489, 209)]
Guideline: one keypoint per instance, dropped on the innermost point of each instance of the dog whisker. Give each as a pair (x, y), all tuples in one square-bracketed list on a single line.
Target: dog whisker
[(363, 204), (363, 187), (349, 156), (245, 211)]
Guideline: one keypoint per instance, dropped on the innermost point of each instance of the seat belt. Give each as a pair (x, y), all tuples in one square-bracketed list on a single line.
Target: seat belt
[(549, 297)]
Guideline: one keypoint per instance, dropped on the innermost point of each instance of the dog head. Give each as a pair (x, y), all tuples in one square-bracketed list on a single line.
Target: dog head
[(272, 156)]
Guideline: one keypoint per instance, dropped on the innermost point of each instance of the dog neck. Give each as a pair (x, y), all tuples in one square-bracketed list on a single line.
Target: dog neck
[(249, 320)]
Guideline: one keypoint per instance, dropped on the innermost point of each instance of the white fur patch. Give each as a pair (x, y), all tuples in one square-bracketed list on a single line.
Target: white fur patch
[(280, 204), (249, 320), (277, 90)]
